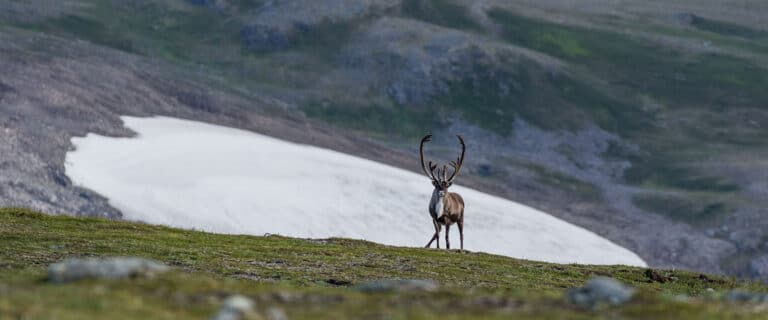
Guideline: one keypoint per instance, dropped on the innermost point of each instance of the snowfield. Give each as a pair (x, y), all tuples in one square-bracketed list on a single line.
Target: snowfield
[(199, 176)]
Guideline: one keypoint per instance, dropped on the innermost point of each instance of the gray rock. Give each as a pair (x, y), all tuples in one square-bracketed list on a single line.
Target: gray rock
[(74, 269), (235, 307), (276, 314), (398, 285), (600, 290)]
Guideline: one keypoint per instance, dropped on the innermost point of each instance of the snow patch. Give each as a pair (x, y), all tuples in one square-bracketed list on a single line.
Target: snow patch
[(200, 176)]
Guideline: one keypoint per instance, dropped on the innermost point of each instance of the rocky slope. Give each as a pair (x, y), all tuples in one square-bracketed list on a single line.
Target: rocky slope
[(641, 121)]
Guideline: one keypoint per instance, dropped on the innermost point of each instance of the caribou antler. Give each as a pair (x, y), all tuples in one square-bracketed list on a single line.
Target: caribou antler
[(457, 164), (432, 166), (441, 175)]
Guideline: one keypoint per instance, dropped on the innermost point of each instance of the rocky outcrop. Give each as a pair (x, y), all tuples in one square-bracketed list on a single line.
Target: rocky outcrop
[(412, 61)]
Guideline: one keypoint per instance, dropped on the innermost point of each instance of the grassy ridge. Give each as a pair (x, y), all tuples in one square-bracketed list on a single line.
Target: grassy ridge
[(293, 274)]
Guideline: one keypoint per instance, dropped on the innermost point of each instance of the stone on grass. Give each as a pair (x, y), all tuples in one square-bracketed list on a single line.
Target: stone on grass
[(73, 269), (236, 307), (398, 285), (600, 290), (276, 314)]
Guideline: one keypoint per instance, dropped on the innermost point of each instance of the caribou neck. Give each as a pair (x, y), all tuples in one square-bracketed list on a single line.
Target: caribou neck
[(436, 204)]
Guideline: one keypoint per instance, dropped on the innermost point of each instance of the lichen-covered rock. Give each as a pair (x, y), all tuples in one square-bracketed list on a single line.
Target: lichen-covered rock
[(600, 290), (398, 285), (74, 269)]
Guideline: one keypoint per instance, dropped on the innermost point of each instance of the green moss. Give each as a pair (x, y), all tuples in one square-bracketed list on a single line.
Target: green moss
[(611, 114), (727, 28), (480, 100), (246, 5), (446, 13), (690, 209), (88, 29), (324, 39), (635, 64), (493, 96), (376, 119), (662, 174), (583, 190)]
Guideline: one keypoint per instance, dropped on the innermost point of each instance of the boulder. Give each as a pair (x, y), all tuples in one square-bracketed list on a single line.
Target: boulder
[(236, 307), (74, 269), (600, 290), (398, 285)]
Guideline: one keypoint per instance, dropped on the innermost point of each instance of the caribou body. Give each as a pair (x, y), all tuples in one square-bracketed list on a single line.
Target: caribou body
[(446, 208)]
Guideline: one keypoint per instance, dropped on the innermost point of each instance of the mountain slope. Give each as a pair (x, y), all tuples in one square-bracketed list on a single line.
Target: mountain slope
[(295, 275), (641, 121)]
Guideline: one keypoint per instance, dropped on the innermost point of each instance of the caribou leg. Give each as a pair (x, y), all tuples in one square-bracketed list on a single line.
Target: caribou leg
[(436, 236), (447, 243), (461, 233), (431, 240)]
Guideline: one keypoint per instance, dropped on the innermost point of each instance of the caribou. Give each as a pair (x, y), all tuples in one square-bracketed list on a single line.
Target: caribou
[(446, 208)]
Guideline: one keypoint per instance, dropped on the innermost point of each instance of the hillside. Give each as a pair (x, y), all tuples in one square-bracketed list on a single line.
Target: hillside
[(642, 121), (315, 279)]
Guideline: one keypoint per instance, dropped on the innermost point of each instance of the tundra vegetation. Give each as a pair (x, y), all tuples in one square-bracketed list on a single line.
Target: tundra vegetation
[(321, 279)]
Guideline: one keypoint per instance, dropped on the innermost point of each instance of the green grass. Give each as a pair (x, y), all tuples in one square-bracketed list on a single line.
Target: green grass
[(480, 101), (87, 28), (446, 13), (148, 28), (702, 86), (728, 29), (695, 210), (630, 63), (677, 177), (292, 274), (533, 95), (246, 5), (379, 120), (324, 39), (583, 190)]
